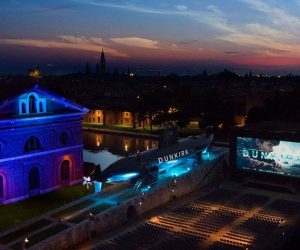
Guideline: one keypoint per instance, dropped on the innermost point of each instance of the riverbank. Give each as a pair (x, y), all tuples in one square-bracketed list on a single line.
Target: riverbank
[(121, 131), (144, 132), (220, 140)]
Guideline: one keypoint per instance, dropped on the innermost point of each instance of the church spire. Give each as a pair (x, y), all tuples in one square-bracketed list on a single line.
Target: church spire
[(102, 63)]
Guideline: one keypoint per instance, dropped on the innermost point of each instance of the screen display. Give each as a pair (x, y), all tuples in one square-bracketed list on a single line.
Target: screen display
[(270, 156)]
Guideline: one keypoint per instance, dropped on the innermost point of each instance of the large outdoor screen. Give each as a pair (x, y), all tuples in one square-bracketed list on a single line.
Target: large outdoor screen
[(269, 156)]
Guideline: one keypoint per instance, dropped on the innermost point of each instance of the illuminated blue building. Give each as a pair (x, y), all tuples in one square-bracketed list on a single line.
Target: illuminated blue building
[(40, 142)]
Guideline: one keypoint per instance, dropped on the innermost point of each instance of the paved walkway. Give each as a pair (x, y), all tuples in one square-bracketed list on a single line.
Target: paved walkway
[(59, 219)]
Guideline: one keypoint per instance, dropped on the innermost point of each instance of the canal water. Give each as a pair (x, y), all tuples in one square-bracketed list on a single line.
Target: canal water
[(104, 149)]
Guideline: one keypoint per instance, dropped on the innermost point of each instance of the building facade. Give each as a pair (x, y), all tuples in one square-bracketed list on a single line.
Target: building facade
[(108, 117), (40, 144), (119, 118)]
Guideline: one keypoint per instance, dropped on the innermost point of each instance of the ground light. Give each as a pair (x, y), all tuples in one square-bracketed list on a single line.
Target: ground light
[(98, 186), (145, 189), (205, 156), (122, 177), (25, 243)]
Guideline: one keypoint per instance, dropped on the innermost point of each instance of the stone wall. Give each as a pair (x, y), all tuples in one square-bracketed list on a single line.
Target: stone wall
[(209, 171), (15, 163)]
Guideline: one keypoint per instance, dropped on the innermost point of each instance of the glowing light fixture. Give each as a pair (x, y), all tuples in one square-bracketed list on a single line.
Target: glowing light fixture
[(171, 162), (122, 177), (98, 186)]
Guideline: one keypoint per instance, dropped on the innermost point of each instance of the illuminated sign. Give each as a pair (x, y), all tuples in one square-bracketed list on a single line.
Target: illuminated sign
[(173, 156), (270, 156)]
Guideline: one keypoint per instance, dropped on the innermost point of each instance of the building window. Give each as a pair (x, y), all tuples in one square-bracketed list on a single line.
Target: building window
[(1, 187), (32, 104), (93, 119), (99, 119), (41, 107), (24, 108), (64, 138), (65, 171), (98, 112), (34, 179), (32, 144)]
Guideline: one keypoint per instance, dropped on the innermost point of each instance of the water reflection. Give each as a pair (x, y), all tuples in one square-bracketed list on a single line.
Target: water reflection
[(104, 149)]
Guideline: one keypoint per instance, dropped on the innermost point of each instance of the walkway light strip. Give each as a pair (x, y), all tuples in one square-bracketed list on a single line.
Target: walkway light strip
[(39, 153)]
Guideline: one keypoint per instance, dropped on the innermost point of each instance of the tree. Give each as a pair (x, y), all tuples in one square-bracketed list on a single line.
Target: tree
[(162, 118), (255, 114), (182, 119)]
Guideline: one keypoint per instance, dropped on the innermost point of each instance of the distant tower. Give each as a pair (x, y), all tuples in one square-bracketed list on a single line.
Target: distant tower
[(36, 73), (102, 63)]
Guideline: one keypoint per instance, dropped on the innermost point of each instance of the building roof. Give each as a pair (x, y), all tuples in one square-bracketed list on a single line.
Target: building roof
[(10, 91), (109, 103)]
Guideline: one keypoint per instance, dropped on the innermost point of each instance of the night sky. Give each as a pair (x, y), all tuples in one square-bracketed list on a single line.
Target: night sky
[(181, 36)]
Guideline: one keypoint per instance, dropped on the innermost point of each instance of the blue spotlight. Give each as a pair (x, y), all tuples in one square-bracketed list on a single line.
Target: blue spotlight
[(122, 177), (98, 186)]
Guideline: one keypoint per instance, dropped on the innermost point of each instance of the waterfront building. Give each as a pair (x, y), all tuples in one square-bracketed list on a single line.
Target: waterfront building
[(115, 117), (40, 141)]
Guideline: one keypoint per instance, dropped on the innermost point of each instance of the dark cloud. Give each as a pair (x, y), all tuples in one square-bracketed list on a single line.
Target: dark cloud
[(60, 7), (231, 52), (277, 51), (187, 42)]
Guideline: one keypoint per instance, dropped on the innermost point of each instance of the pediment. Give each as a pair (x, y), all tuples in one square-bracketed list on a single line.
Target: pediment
[(38, 102)]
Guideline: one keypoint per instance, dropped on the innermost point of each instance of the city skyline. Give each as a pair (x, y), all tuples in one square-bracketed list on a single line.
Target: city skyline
[(180, 36)]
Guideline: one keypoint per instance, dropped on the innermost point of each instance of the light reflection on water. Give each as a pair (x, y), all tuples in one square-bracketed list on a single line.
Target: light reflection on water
[(105, 149)]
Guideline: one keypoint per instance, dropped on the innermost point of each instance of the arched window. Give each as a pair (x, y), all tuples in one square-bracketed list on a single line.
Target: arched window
[(32, 104), (32, 144), (41, 107), (34, 179), (1, 187), (64, 138), (65, 171)]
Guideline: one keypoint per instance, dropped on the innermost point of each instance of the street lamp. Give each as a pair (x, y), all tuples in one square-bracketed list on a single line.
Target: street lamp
[(25, 243)]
